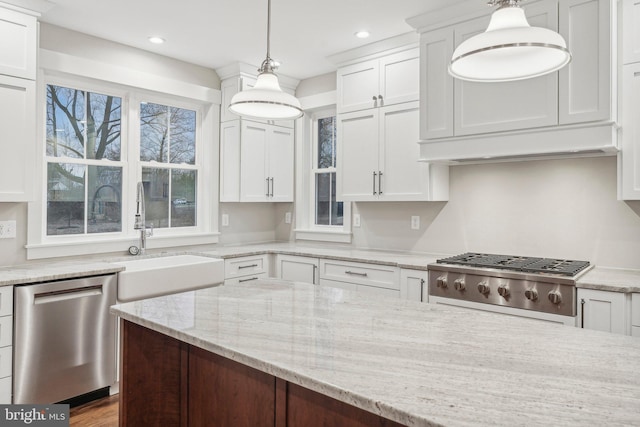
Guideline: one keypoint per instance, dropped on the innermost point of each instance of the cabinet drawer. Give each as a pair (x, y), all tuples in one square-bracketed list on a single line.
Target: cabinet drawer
[(6, 365), (362, 274), (6, 331), (249, 278), (5, 391), (246, 266), (635, 309), (6, 300)]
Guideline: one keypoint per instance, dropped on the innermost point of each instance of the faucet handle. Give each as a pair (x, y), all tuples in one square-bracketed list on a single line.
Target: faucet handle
[(149, 230)]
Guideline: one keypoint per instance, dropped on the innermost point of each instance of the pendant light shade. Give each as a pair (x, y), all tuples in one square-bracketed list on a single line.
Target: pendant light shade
[(266, 100), (510, 49)]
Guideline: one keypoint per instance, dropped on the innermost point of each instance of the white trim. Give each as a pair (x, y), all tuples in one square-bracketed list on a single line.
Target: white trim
[(319, 101), (58, 249), (323, 236)]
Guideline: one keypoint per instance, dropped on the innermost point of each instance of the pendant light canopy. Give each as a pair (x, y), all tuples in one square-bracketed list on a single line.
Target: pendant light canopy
[(266, 100), (510, 49)]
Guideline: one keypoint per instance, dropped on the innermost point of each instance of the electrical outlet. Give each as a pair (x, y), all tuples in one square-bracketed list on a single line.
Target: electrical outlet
[(356, 220), (287, 218), (225, 220), (415, 223), (8, 229)]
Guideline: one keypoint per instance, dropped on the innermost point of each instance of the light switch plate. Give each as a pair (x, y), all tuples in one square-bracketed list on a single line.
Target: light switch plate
[(8, 229), (356, 220), (415, 223), (225, 220), (287, 217)]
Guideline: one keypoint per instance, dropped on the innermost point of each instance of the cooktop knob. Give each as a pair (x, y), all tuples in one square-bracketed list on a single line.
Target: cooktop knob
[(503, 290), (458, 285), (483, 288), (555, 297), (531, 294), (441, 282)]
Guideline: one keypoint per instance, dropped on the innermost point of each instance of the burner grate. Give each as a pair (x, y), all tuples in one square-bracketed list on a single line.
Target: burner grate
[(518, 263)]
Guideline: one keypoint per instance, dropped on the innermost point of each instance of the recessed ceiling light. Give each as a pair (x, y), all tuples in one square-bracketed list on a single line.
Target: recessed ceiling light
[(362, 34), (156, 40)]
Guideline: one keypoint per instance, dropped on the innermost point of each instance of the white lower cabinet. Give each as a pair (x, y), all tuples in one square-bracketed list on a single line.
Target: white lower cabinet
[(246, 269), (372, 279), (635, 314), (297, 268), (6, 343), (413, 285), (603, 310)]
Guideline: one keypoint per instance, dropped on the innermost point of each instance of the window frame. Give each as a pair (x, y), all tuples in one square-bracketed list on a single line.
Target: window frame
[(41, 245), (306, 159)]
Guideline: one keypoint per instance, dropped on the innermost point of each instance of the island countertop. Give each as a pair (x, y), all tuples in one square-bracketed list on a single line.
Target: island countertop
[(414, 363)]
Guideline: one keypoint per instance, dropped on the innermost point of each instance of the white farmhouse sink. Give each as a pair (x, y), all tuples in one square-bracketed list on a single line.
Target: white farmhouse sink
[(150, 277)]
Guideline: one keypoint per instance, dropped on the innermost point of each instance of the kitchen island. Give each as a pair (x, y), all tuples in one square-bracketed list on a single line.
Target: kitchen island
[(296, 354)]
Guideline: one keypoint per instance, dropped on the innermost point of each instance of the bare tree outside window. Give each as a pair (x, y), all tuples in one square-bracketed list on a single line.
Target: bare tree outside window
[(84, 127), (329, 211)]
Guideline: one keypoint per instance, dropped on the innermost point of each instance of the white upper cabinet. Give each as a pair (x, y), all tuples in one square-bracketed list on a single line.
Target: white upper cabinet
[(629, 161), (18, 44), (379, 82), (567, 113)]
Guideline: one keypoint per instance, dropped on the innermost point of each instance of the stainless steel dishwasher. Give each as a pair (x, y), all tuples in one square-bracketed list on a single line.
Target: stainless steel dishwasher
[(64, 339)]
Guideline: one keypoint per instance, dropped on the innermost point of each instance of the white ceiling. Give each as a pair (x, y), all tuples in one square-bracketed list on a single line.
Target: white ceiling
[(216, 33)]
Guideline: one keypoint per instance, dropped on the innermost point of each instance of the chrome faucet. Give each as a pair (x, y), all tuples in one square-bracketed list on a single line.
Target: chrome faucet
[(140, 221)]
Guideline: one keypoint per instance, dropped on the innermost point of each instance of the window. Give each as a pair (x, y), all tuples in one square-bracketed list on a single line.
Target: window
[(83, 164), (328, 211)]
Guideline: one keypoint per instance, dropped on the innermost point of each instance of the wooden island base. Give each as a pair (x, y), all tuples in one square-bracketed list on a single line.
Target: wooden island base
[(166, 382)]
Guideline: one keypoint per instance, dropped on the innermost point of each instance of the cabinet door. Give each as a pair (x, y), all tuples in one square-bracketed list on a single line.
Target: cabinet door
[(630, 154), (400, 78), (297, 268), (404, 178), (357, 156), (603, 311), (631, 31), (585, 83), (253, 170), (18, 44), (436, 102), (358, 87), (17, 121), (413, 285), (280, 164), (230, 161), (491, 107)]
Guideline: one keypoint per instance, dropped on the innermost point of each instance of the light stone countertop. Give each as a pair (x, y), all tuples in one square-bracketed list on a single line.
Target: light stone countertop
[(611, 279), (49, 271), (417, 364)]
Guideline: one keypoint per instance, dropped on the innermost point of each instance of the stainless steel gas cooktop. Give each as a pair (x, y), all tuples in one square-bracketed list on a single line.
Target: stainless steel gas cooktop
[(540, 284)]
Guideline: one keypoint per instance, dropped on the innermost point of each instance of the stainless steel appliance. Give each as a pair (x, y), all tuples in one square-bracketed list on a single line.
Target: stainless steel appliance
[(540, 288), (64, 341)]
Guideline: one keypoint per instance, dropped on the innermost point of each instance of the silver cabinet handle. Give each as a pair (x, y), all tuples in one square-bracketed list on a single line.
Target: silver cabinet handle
[(247, 266), (421, 290), (374, 183), (381, 100), (267, 194), (355, 273), (379, 182), (375, 101), (247, 280), (271, 186), (314, 274)]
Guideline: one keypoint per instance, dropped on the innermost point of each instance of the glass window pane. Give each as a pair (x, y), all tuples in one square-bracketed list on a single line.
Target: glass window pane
[(104, 207), (328, 210), (336, 207), (326, 142), (65, 122), (156, 196), (182, 136), (103, 127), (183, 198), (65, 199), (154, 133)]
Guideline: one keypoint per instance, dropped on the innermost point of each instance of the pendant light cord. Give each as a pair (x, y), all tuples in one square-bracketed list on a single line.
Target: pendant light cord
[(268, 29)]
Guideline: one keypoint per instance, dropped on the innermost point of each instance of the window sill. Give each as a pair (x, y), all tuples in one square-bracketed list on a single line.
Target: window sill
[(323, 236), (87, 247)]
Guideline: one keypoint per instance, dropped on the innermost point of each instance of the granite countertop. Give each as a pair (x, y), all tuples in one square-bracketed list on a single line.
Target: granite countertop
[(611, 279), (418, 364), (49, 271)]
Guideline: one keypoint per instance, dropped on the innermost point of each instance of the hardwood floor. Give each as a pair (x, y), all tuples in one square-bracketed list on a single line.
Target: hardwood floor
[(99, 413)]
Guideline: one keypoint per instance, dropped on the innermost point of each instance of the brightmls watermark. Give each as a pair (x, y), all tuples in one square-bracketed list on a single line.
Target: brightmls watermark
[(34, 415)]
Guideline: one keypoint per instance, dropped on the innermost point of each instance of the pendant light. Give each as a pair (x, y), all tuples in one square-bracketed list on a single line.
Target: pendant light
[(510, 49), (266, 100)]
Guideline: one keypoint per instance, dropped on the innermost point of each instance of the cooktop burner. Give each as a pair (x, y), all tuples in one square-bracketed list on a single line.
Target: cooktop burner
[(518, 263)]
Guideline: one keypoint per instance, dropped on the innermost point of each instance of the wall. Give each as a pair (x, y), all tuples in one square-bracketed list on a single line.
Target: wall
[(319, 84), (248, 222), (553, 208)]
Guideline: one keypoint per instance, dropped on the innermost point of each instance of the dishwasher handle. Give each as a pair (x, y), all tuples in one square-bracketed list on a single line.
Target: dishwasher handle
[(67, 294)]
